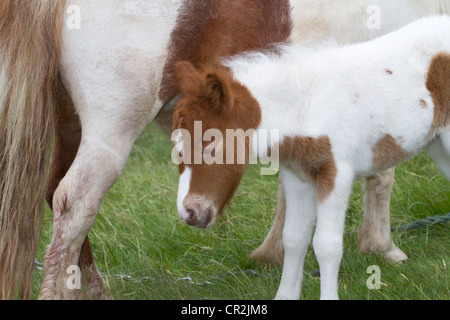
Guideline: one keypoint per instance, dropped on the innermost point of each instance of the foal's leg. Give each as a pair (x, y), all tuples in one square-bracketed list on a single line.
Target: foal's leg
[(102, 155), (375, 233), (440, 152), (328, 237), (67, 142), (300, 217), (271, 251)]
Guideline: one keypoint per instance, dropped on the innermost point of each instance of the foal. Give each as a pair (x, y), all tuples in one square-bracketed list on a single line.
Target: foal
[(341, 113)]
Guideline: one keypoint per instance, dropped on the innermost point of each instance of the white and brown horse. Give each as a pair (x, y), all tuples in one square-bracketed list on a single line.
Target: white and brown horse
[(340, 113), (96, 72)]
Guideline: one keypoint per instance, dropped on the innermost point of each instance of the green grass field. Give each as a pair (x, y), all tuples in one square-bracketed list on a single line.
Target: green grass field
[(138, 234)]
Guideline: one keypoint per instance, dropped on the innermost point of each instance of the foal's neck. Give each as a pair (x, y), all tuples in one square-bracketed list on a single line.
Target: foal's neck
[(280, 82)]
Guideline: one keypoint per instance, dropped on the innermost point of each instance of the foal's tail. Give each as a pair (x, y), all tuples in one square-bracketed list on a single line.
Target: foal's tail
[(30, 40)]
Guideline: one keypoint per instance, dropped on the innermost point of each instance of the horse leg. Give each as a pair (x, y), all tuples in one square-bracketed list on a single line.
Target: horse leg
[(300, 217), (67, 141), (439, 150), (92, 281), (271, 251), (104, 150), (375, 233), (329, 234)]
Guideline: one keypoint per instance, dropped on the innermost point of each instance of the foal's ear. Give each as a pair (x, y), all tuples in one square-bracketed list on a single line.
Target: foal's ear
[(189, 79), (217, 90)]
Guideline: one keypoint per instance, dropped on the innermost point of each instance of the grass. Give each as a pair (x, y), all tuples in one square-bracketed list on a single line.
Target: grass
[(138, 234)]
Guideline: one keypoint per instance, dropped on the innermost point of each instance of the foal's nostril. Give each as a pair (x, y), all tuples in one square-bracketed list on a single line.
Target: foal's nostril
[(191, 216), (194, 214)]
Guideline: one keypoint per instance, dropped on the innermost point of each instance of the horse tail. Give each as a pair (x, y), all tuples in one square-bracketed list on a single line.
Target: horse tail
[(30, 41)]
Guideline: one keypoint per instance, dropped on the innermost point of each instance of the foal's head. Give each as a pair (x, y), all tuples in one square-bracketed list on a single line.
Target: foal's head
[(210, 170)]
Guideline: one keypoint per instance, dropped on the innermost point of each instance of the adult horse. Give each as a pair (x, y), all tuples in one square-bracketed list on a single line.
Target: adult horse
[(98, 72)]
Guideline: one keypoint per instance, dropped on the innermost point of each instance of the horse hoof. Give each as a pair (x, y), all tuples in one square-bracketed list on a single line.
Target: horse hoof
[(395, 255)]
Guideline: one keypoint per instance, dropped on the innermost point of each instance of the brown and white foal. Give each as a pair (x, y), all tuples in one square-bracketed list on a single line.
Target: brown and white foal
[(341, 114)]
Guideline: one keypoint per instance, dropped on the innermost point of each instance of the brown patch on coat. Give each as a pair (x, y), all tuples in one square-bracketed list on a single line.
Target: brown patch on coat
[(388, 153), (389, 72), (209, 30), (316, 159), (438, 83)]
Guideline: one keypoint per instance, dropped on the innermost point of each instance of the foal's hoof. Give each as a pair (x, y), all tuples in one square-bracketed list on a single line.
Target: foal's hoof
[(395, 255)]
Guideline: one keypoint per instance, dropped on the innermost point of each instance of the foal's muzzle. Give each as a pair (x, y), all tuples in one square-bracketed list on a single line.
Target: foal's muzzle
[(197, 212)]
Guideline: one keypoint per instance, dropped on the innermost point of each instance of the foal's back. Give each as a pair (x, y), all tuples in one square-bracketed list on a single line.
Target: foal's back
[(396, 93), (388, 95)]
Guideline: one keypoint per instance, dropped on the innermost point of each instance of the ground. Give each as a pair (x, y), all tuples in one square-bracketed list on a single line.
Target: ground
[(139, 237)]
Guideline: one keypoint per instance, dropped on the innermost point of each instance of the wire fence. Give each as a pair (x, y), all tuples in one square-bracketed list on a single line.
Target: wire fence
[(428, 222)]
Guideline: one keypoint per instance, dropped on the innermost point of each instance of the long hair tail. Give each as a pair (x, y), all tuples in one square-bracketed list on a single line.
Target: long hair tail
[(30, 40)]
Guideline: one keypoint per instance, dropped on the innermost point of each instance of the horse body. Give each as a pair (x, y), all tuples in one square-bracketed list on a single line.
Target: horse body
[(324, 115), (113, 80), (127, 56), (118, 70), (388, 103), (341, 113)]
